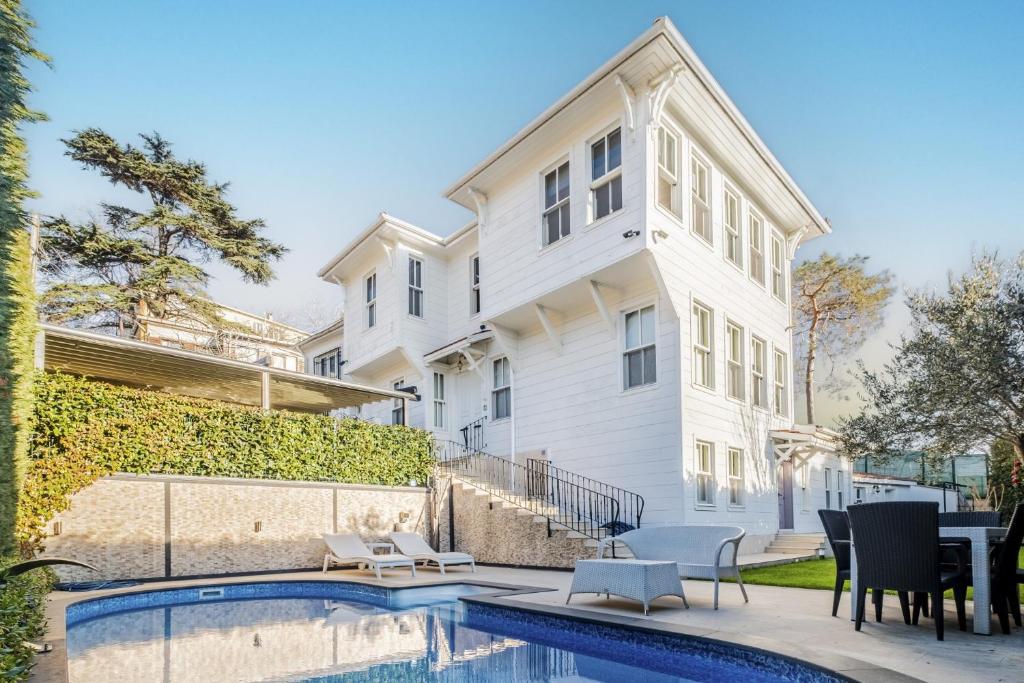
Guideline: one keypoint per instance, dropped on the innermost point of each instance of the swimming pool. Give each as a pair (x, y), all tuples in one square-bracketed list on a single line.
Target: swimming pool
[(305, 631)]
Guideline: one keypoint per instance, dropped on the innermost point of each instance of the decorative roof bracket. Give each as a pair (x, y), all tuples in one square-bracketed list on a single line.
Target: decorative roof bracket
[(480, 199), (628, 101), (658, 95)]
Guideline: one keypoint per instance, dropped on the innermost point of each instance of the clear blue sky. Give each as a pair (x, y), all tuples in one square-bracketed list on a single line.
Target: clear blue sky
[(901, 121)]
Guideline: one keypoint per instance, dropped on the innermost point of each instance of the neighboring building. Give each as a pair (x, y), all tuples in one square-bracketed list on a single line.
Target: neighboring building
[(879, 488), (620, 305), (244, 336), (322, 350), (968, 471)]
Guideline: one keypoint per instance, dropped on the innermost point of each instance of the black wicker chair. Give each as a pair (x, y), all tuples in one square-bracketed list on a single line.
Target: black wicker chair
[(1006, 576), (837, 530), (898, 549)]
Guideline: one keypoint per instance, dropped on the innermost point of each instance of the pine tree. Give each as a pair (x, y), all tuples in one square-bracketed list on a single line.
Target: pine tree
[(109, 273)]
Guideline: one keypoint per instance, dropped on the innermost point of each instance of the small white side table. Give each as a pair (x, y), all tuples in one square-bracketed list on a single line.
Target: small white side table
[(640, 580)]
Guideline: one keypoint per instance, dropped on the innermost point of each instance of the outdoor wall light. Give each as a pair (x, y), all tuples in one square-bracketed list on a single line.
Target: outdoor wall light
[(57, 528), (630, 233), (258, 526), (403, 517)]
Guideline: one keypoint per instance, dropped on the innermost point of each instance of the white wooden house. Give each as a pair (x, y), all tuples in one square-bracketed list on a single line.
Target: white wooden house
[(619, 307)]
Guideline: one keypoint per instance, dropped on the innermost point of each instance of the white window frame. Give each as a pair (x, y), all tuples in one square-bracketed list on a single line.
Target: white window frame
[(828, 487), (497, 389), (643, 347), (328, 356), (608, 177), (735, 368), (370, 305), (398, 405), (758, 389), (475, 302), (697, 203), (702, 474), (840, 502), (440, 405), (737, 481), (564, 231), (669, 140), (703, 352), (780, 383), (805, 487), (778, 266), (732, 235), (755, 241), (416, 296)]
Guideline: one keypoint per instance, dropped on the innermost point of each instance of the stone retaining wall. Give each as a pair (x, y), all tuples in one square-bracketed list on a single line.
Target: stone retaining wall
[(143, 527)]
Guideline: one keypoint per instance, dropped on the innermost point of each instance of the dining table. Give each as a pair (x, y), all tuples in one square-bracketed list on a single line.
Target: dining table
[(982, 538)]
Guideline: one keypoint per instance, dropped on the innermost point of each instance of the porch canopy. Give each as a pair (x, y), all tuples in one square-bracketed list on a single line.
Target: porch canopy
[(801, 442), (134, 363)]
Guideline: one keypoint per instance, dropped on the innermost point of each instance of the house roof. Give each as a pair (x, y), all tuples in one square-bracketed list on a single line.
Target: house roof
[(384, 220), (134, 363), (662, 29), (320, 334)]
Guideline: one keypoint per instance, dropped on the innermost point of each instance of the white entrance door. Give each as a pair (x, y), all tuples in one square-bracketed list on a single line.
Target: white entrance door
[(470, 410)]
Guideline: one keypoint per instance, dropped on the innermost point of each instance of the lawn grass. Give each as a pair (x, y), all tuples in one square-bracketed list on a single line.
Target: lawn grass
[(813, 574)]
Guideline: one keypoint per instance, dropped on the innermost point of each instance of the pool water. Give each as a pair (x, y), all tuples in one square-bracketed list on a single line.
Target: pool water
[(336, 632)]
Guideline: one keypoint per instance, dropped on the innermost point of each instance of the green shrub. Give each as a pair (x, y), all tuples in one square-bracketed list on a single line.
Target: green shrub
[(22, 603), (84, 430)]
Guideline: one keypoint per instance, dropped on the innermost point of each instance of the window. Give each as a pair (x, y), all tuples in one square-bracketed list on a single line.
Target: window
[(638, 358), (734, 360), (735, 476), (474, 284), (805, 486), (839, 490), (781, 393), (828, 488), (700, 184), (606, 174), (705, 473), (415, 287), (756, 248), (398, 404), (501, 396), (440, 406), (733, 244), (371, 300), (556, 204), (328, 364), (858, 494), (778, 265), (668, 170), (703, 360), (758, 381)]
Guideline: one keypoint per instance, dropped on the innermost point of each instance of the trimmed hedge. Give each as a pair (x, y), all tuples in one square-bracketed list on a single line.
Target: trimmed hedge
[(21, 619), (84, 430)]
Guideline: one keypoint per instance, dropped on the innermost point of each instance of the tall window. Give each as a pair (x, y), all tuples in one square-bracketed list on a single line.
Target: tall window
[(474, 284), (639, 365), (501, 395), (778, 266), (781, 394), (606, 174), (668, 170), (839, 490), (805, 486), (734, 360), (700, 185), (398, 404), (735, 476), (556, 204), (371, 300), (415, 287), (705, 466), (733, 244), (828, 488), (758, 378), (756, 247), (440, 407), (328, 364), (703, 359)]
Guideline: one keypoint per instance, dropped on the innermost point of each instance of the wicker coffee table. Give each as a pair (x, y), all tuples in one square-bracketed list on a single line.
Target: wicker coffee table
[(640, 580)]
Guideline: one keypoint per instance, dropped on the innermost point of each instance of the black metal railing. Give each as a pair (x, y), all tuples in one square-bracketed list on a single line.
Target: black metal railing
[(473, 435), (561, 501), (630, 505)]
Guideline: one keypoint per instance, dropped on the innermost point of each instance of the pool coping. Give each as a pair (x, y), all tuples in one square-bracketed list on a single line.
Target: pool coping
[(52, 667)]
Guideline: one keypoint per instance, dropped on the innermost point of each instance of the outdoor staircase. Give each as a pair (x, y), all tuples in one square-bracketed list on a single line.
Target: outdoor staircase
[(564, 513), (803, 545)]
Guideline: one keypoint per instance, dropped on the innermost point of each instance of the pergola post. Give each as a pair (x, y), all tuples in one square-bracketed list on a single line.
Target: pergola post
[(405, 412), (265, 390)]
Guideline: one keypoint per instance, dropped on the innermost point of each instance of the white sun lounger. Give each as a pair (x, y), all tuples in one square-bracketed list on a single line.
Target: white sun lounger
[(350, 549), (415, 547)]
